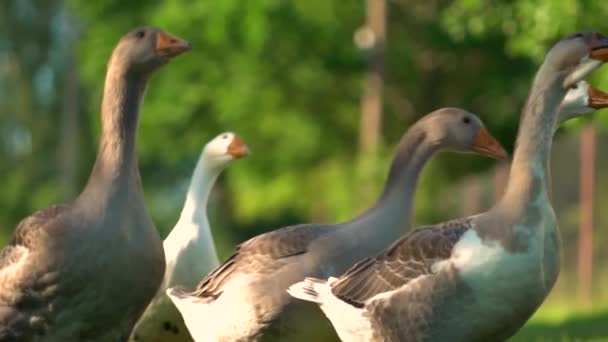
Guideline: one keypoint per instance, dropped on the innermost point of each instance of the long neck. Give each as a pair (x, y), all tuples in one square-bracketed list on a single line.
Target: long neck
[(116, 164), (396, 202), (203, 179), (529, 175)]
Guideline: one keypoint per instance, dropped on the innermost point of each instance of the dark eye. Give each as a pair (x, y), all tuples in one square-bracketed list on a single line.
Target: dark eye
[(225, 136), (574, 86), (140, 34), (577, 35), (466, 120)]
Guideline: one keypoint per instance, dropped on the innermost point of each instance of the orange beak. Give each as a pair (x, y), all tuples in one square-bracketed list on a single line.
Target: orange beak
[(599, 47), (170, 46), (487, 145), (597, 98), (237, 148)]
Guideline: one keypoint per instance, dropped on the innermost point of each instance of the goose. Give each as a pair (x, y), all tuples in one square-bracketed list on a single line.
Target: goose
[(189, 249), (242, 299), (86, 270), (481, 277), (581, 99)]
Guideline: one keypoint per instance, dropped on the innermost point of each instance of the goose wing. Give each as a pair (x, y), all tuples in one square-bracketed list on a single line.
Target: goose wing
[(22, 290), (262, 254), (408, 258)]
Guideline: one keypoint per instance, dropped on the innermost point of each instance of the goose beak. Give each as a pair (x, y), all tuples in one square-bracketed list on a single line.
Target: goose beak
[(487, 145), (598, 54), (170, 46), (599, 48), (237, 148), (597, 98)]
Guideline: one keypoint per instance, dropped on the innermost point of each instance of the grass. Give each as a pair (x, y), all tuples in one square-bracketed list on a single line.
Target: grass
[(556, 321), (563, 324)]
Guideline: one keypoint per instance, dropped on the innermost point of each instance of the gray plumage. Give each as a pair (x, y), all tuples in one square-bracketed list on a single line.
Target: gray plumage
[(86, 270), (478, 278), (252, 282)]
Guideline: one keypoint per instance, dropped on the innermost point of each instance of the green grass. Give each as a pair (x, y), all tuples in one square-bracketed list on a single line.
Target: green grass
[(563, 324), (556, 321)]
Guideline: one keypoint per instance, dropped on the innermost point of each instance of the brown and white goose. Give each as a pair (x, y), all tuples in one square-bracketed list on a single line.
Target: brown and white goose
[(86, 270), (478, 278), (247, 293)]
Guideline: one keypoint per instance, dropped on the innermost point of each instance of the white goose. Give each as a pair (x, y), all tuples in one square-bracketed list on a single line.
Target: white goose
[(581, 99), (478, 278), (245, 298), (189, 248)]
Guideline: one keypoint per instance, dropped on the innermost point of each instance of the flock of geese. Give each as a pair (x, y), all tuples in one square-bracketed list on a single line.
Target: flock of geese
[(96, 269)]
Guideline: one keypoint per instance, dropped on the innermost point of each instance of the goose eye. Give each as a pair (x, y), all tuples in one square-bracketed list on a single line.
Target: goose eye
[(574, 86), (466, 120), (576, 35), (225, 136), (140, 34)]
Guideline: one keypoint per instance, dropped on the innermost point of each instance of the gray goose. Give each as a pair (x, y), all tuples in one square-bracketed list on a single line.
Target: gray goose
[(477, 278), (189, 248), (86, 270), (245, 298)]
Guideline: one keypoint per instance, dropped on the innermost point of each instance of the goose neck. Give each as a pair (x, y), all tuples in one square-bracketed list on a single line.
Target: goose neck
[(529, 176), (413, 152), (204, 177), (116, 162)]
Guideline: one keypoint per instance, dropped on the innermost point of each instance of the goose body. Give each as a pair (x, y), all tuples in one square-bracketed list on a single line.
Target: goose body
[(414, 293), (189, 248), (86, 270), (478, 278), (244, 299)]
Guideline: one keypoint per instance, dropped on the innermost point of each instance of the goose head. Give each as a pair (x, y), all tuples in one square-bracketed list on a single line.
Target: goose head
[(577, 55), (146, 48), (582, 99), (454, 129), (225, 148)]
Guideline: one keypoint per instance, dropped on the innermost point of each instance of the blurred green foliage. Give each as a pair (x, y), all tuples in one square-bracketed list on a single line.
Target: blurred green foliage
[(529, 26), (288, 78), (284, 75)]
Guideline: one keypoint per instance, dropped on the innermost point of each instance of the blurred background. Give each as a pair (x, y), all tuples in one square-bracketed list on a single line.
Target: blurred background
[(321, 91)]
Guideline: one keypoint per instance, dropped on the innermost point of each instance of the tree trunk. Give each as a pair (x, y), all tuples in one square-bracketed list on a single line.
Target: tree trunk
[(501, 176), (69, 148), (585, 242), (371, 104), (472, 193), (373, 44)]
